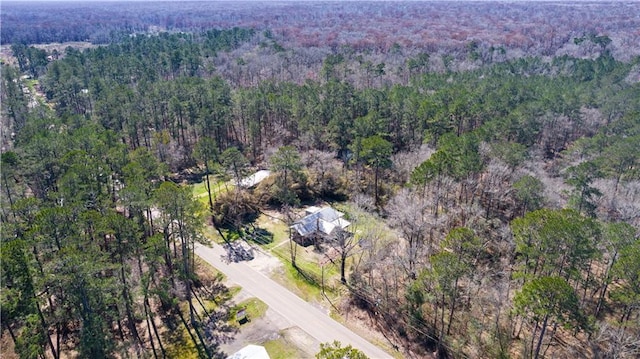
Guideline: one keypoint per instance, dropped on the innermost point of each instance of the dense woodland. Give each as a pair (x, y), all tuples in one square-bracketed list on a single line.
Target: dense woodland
[(532, 27), (506, 177)]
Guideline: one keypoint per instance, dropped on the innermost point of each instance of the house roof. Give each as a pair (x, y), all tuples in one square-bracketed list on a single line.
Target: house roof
[(323, 220), (254, 179), (250, 352)]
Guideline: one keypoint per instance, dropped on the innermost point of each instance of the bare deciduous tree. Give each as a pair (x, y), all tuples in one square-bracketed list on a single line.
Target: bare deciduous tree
[(409, 214)]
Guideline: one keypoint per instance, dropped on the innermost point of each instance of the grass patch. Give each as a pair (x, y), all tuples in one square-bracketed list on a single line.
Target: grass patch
[(208, 275), (31, 85), (254, 309), (306, 282), (207, 271), (180, 345), (276, 227), (361, 219), (301, 285), (309, 261), (179, 342), (283, 253), (234, 290), (212, 234), (217, 187), (282, 349)]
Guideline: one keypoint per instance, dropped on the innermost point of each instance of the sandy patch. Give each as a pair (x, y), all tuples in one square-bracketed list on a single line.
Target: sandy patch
[(264, 262)]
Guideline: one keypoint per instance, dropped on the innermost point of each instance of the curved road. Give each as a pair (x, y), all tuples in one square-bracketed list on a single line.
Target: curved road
[(300, 313)]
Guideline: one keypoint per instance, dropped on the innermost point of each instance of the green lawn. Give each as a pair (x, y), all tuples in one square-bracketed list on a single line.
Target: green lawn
[(276, 227), (217, 187), (180, 345), (254, 309), (281, 348), (308, 279), (362, 220)]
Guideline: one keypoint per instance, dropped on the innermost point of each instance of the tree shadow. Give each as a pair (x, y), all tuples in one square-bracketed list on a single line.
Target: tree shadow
[(258, 235)]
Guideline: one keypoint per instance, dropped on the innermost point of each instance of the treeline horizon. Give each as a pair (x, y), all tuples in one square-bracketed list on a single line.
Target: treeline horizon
[(519, 28), (508, 188)]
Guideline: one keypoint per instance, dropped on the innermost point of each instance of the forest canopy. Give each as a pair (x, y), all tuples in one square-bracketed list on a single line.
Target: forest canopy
[(502, 177)]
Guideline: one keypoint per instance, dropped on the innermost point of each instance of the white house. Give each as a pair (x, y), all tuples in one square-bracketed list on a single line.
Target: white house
[(318, 224), (251, 352)]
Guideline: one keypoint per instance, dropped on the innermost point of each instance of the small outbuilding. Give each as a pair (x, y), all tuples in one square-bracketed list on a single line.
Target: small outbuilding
[(254, 179)]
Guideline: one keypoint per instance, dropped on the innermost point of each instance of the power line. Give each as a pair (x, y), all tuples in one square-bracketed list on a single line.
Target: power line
[(360, 293)]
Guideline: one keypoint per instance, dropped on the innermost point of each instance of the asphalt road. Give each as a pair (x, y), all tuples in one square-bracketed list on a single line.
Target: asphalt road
[(300, 313)]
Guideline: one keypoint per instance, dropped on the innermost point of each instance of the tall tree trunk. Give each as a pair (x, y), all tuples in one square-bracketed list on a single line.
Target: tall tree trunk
[(292, 249), (533, 339), (607, 278), (206, 167), (151, 341), (150, 220), (204, 308), (127, 302), (442, 332), (585, 285), (542, 331), (153, 325), (436, 208), (6, 187), (167, 254), (375, 185), (11, 333), (343, 261), (626, 314), (553, 333), (199, 344), (453, 306), (45, 328)]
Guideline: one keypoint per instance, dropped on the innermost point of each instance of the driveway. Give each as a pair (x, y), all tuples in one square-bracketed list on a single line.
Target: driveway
[(293, 309)]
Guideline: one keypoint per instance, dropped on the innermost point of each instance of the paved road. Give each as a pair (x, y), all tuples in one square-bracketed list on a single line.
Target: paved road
[(300, 313)]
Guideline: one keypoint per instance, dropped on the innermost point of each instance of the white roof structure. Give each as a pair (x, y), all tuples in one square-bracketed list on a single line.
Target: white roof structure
[(254, 179), (251, 352), (324, 220)]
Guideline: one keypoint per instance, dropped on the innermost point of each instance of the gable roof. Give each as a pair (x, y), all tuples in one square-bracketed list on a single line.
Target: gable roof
[(323, 220)]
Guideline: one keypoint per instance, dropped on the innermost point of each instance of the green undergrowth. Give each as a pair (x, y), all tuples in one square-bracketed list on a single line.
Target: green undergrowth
[(180, 345)]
